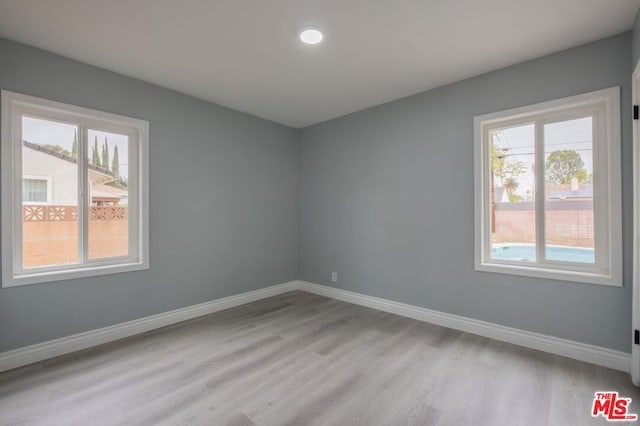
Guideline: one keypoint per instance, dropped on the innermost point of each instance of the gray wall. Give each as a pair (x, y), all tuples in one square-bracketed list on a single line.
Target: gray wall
[(386, 200), (384, 197), (223, 188), (635, 43)]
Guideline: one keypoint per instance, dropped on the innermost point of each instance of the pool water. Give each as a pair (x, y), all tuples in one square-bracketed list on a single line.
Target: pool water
[(558, 253)]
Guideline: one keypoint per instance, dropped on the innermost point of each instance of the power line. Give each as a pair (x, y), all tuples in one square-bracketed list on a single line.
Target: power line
[(533, 153)]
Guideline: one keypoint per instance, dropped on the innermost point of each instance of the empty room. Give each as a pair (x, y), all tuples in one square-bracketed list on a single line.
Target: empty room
[(219, 212)]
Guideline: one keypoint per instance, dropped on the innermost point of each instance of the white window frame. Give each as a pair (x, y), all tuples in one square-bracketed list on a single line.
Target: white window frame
[(14, 106), (607, 270), (49, 189)]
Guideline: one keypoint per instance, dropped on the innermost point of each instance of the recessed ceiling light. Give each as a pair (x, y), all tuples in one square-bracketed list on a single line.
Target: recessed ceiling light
[(311, 36)]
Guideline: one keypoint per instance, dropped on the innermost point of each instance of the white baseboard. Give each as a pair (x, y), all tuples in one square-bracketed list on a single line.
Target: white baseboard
[(65, 345), (568, 348)]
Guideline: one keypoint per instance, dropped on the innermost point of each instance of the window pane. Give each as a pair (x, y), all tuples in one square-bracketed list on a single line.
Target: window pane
[(109, 194), (34, 190), (569, 225), (50, 224), (513, 233)]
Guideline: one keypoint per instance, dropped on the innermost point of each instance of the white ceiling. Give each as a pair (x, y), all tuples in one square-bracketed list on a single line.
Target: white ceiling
[(245, 54)]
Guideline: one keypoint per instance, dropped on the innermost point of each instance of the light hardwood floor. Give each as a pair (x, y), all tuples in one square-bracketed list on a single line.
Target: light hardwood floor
[(299, 359)]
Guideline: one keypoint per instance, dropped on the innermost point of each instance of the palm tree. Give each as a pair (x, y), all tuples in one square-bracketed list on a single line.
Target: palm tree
[(510, 185)]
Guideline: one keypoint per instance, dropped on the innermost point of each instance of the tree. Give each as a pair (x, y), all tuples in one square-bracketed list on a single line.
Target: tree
[(512, 171), (510, 186), (563, 166), (105, 154), (584, 176), (497, 161), (57, 148), (115, 165), (95, 158), (74, 146), (120, 183), (508, 172)]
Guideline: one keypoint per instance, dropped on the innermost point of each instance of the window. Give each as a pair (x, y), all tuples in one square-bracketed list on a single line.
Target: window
[(548, 190), (36, 190), (74, 191)]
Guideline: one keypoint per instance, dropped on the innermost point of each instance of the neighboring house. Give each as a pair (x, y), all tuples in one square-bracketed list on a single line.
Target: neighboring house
[(570, 191), (51, 177)]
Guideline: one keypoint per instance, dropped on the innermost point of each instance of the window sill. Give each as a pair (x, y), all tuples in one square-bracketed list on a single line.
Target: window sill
[(10, 280), (610, 280)]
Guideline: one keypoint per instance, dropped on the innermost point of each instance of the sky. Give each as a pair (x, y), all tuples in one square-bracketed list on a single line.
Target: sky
[(517, 144), (56, 133)]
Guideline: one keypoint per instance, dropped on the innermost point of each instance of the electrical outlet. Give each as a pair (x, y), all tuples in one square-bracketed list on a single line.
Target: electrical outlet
[(334, 277)]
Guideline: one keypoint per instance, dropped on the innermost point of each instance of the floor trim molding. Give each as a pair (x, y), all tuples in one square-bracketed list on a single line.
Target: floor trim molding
[(571, 349), (65, 345)]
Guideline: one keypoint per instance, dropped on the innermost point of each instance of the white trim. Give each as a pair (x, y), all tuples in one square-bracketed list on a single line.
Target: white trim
[(70, 274), (576, 350), (65, 345), (13, 274), (603, 105), (635, 316), (6, 175)]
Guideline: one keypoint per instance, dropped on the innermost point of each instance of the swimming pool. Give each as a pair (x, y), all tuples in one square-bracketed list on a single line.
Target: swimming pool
[(559, 253)]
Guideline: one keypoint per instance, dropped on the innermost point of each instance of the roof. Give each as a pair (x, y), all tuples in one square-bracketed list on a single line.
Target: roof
[(66, 157), (106, 191), (585, 193), (565, 191)]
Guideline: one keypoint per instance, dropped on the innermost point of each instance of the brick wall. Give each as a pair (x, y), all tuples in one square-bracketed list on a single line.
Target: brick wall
[(50, 234), (572, 226)]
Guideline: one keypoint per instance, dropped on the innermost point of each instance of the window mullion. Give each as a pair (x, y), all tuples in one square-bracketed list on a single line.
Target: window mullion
[(539, 192), (83, 196)]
